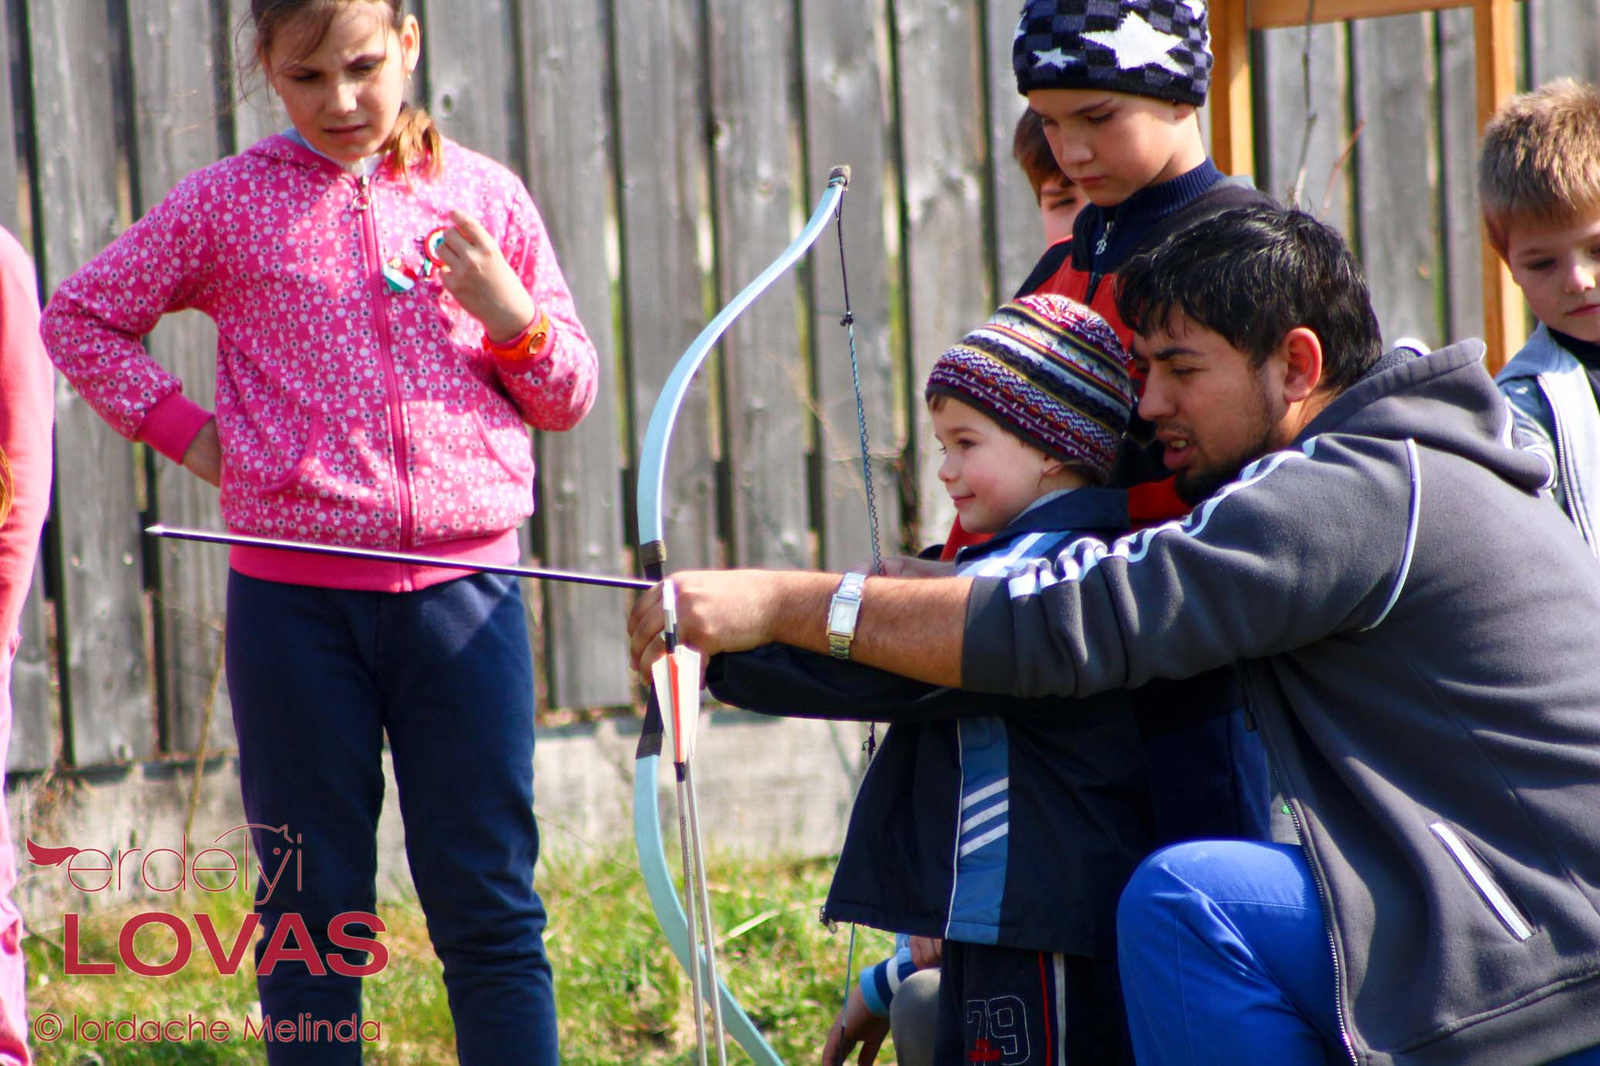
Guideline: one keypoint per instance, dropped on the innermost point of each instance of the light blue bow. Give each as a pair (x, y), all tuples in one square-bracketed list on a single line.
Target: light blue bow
[(652, 555)]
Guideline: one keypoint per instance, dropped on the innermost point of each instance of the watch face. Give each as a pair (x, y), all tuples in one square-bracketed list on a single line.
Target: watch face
[(841, 616)]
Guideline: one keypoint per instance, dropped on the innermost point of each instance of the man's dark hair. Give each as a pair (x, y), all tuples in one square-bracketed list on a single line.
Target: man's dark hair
[(1252, 274)]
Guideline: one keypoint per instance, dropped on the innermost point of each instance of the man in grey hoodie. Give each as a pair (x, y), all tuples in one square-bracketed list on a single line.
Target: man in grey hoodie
[(1414, 629)]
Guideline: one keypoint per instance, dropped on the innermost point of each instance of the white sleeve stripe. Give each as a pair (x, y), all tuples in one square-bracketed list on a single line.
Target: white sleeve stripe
[(988, 814), (988, 838), (985, 792), (1000, 565), (1080, 557), (1411, 536)]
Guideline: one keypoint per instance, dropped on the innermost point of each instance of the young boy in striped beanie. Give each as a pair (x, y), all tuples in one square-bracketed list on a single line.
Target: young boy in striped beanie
[(1006, 836), (1030, 405)]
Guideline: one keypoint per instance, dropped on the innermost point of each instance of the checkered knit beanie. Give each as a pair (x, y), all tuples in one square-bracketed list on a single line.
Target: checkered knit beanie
[(1158, 48), (1050, 370)]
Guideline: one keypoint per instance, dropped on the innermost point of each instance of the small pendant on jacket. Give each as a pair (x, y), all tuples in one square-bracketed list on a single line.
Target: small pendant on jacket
[(399, 277), (430, 250)]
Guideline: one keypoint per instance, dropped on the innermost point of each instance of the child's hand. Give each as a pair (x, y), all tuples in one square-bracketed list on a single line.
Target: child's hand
[(854, 1025), (477, 274), (203, 457), (911, 566)]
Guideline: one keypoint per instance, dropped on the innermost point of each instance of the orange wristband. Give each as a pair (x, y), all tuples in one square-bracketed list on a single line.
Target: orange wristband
[(525, 345)]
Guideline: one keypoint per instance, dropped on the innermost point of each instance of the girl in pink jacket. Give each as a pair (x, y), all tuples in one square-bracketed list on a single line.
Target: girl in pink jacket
[(391, 318)]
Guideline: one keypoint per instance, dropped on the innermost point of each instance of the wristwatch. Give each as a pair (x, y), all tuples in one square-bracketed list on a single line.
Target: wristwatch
[(843, 610), (525, 345)]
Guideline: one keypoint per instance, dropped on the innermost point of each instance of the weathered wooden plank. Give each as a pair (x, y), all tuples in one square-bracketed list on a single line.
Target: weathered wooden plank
[(255, 112), (469, 73), (1458, 185), (34, 740), (1307, 173), (174, 77), (1494, 25), (663, 154), (1563, 39), (1018, 237), (1392, 69), (12, 175), (764, 368), (941, 125), (33, 734), (564, 79), (468, 82), (845, 124), (106, 680), (1229, 125)]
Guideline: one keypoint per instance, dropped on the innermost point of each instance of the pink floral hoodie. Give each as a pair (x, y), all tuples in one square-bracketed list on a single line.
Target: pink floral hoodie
[(348, 413)]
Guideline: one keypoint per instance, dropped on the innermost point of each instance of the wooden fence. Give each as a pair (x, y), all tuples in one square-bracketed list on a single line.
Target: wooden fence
[(673, 147)]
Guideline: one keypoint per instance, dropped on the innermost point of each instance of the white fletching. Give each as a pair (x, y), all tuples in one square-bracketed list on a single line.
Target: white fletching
[(686, 705)]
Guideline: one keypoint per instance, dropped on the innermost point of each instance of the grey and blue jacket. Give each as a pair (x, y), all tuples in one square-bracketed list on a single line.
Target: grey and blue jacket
[(1416, 633), (1015, 824), (1554, 415)]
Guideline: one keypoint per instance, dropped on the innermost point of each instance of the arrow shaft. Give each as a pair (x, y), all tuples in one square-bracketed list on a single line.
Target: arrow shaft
[(206, 536), (708, 930)]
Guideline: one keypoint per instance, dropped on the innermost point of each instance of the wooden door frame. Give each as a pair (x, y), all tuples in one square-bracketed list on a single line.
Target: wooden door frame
[(1232, 133)]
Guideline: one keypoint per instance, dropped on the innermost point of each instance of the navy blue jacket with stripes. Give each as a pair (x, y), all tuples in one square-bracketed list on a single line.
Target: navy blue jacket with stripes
[(1017, 831)]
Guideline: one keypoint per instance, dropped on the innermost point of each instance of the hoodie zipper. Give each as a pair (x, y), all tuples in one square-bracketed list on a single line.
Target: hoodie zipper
[(1095, 273), (1322, 898), (366, 212), (1576, 509)]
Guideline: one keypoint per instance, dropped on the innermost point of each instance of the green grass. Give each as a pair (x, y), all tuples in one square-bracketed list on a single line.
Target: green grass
[(620, 995)]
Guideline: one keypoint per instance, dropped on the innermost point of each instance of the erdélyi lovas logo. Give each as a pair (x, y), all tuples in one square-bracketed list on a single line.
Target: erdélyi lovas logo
[(214, 868)]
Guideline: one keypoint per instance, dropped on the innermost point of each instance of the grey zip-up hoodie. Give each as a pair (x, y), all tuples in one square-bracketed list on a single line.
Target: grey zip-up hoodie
[(1417, 634)]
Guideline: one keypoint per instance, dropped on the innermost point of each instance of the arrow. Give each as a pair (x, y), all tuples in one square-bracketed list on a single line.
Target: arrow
[(378, 555)]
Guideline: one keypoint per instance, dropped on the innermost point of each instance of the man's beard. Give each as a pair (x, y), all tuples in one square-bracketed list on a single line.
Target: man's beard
[(1194, 486)]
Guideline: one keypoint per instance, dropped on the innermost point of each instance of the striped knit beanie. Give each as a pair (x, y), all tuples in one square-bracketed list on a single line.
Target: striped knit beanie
[(1050, 370), (1157, 48)]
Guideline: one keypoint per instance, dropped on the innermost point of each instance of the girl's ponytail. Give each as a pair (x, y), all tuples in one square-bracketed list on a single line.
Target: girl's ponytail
[(416, 142), (6, 488)]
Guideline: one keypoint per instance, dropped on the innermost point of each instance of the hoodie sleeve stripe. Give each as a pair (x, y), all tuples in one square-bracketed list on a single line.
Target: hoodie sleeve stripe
[(1411, 536), (1081, 557)]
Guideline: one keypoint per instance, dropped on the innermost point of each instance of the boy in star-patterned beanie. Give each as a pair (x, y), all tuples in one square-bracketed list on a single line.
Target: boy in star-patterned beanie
[(1117, 83)]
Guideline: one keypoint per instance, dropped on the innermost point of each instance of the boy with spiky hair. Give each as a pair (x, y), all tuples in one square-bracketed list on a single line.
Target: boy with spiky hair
[(1539, 180)]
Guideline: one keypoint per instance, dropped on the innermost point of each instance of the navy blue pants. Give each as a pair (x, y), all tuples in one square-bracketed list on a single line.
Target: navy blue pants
[(1012, 1007), (1225, 959), (317, 677)]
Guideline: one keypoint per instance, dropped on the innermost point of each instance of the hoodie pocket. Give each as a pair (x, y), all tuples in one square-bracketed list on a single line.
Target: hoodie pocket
[(471, 471), (274, 457), (510, 446), (1481, 879)]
